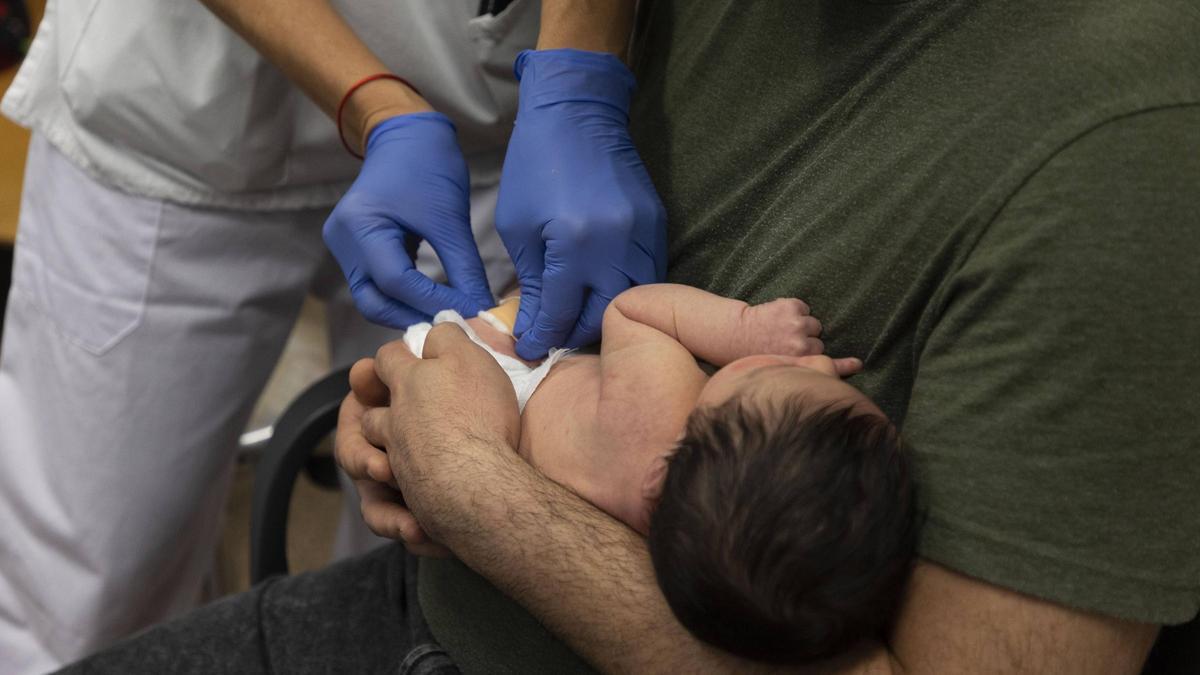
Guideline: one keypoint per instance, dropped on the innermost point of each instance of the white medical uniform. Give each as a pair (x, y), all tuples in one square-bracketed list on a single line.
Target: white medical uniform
[(175, 190)]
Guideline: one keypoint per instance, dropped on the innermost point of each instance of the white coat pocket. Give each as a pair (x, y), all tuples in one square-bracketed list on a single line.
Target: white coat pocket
[(84, 253)]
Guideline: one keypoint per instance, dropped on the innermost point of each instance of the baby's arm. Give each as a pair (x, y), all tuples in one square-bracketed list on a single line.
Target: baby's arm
[(716, 329)]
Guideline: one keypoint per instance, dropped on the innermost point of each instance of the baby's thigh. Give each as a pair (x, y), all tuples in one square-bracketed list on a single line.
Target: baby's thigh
[(503, 344)]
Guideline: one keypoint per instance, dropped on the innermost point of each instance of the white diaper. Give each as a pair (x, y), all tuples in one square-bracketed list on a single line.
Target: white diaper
[(524, 379)]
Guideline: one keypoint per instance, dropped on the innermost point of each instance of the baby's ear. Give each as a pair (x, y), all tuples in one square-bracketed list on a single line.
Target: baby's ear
[(652, 485)]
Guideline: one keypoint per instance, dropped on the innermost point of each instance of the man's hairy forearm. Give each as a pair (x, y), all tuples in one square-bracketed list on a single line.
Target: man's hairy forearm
[(589, 579), (583, 574), (311, 43)]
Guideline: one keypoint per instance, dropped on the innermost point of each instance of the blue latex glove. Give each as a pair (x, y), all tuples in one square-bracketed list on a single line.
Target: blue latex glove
[(413, 186), (577, 211)]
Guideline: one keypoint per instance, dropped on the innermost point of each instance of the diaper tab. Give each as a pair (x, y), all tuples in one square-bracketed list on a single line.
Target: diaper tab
[(503, 316)]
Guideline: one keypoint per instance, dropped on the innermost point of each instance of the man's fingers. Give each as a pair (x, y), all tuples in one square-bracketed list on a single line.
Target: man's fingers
[(373, 431), (444, 339), (357, 456), (386, 515), (366, 385), (392, 360), (374, 426)]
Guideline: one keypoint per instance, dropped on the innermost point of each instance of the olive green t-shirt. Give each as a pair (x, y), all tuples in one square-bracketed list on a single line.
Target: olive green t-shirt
[(997, 206)]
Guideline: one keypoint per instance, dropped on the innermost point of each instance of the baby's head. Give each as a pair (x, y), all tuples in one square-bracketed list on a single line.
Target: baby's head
[(786, 524)]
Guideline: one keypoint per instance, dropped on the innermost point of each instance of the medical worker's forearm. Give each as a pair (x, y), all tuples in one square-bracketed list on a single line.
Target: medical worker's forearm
[(592, 25), (311, 43)]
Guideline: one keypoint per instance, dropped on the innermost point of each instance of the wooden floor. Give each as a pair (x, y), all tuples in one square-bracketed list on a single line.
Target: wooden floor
[(13, 142)]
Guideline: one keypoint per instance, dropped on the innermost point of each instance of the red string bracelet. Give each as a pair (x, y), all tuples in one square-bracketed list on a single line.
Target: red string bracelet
[(350, 92)]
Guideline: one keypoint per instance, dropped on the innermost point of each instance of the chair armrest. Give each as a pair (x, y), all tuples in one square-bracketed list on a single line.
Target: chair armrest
[(300, 428)]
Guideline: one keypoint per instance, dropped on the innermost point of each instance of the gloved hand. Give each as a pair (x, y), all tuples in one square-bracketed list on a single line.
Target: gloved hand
[(577, 211), (413, 186)]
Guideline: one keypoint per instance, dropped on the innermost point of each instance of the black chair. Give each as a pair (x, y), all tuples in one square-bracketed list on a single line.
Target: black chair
[(1177, 651), (300, 429)]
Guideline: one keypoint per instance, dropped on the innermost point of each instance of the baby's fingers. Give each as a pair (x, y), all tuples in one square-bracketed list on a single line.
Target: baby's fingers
[(846, 367)]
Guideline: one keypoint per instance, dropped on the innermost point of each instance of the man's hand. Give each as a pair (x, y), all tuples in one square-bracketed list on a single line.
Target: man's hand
[(382, 505), (449, 411), (577, 210), (413, 186)]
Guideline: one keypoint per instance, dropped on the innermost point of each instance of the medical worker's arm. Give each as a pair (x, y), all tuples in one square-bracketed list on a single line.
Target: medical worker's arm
[(413, 185), (310, 42), (577, 210)]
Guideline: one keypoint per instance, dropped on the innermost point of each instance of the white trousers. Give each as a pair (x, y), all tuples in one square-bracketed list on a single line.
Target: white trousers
[(138, 336)]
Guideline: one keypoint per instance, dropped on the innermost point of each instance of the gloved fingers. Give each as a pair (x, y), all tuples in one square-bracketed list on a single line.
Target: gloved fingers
[(464, 268), (641, 267), (393, 273), (412, 244), (529, 259), (531, 303), (587, 329), (380, 309), (562, 301)]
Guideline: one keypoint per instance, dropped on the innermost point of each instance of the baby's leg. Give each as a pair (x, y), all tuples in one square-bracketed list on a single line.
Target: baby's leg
[(502, 342)]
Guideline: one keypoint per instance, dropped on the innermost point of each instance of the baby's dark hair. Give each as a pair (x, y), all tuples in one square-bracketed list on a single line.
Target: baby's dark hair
[(785, 534)]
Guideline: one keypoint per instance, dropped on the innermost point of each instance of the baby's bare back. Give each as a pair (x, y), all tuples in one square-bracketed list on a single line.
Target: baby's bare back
[(597, 430)]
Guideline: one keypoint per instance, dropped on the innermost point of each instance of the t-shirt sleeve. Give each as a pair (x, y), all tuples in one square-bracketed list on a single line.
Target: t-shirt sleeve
[(1055, 413)]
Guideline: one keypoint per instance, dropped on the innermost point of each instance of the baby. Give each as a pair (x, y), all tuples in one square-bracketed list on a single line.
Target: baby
[(776, 499)]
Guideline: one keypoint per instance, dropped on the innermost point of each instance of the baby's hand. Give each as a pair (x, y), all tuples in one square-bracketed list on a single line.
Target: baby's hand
[(782, 326)]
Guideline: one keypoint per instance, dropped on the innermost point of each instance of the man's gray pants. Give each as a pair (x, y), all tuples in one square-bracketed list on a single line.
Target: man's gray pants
[(358, 616)]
